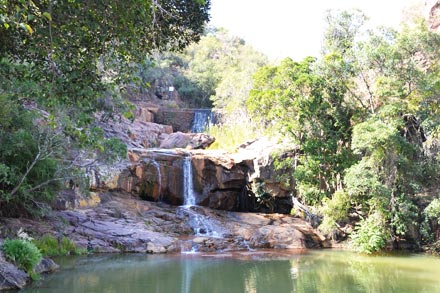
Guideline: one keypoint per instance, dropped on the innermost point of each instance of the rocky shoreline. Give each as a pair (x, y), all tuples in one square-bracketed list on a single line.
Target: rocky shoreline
[(122, 223)]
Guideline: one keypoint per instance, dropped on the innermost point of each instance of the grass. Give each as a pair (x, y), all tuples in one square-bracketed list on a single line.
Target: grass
[(51, 246), (229, 137)]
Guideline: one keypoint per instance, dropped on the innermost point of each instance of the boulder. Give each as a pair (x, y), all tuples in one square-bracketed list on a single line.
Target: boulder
[(46, 265), (11, 278), (145, 114), (187, 141)]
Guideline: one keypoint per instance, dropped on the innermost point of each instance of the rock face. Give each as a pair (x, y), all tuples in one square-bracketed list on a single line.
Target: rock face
[(136, 134), (10, 276), (154, 175), (433, 14), (119, 225), (224, 181), (252, 230), (142, 133), (220, 180), (179, 119)]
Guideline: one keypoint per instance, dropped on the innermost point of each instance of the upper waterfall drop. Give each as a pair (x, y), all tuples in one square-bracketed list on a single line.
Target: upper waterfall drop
[(202, 119)]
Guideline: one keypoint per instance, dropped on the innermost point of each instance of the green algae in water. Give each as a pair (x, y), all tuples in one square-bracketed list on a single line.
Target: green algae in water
[(274, 272)]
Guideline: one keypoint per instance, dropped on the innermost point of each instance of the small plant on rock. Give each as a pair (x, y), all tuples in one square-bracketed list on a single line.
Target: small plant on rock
[(23, 253)]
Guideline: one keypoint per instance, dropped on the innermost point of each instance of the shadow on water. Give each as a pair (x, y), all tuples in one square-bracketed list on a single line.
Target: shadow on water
[(258, 271)]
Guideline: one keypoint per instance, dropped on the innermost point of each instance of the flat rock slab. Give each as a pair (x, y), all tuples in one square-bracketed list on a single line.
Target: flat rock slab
[(121, 223)]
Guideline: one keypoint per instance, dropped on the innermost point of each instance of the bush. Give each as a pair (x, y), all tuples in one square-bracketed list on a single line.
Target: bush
[(371, 235), (334, 210), (431, 221), (28, 159), (23, 253), (229, 136)]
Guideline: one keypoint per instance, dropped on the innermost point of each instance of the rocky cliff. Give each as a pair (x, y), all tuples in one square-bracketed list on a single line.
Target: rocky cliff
[(432, 14)]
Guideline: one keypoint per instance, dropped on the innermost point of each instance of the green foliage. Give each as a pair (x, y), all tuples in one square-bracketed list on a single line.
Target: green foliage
[(284, 166), (371, 235), (23, 253), (334, 210), (114, 150), (373, 136), (306, 104), (404, 215), (263, 197), (229, 136), (60, 63), (215, 71), (51, 246), (342, 29), (432, 211), (362, 183), (28, 162), (359, 116), (431, 220)]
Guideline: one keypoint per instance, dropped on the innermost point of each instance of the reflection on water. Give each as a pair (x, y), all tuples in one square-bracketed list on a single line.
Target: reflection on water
[(313, 271)]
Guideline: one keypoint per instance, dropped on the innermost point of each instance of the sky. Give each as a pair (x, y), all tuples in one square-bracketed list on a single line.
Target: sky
[(294, 28)]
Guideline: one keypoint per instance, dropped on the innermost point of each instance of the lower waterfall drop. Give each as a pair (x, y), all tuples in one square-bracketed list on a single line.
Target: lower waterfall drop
[(201, 224), (188, 185)]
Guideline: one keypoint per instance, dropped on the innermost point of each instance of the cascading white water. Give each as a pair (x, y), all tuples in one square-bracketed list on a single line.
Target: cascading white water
[(202, 119), (188, 185), (199, 222)]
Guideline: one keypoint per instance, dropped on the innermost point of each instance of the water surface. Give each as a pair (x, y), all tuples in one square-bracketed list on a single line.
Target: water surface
[(274, 272)]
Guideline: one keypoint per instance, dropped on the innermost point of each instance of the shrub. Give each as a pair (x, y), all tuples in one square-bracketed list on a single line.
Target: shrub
[(50, 246), (229, 136), (334, 210), (263, 197), (23, 253), (371, 234), (431, 220), (432, 211)]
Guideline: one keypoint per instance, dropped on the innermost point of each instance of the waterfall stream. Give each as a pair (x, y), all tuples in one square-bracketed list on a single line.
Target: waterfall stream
[(202, 119), (188, 185), (201, 224)]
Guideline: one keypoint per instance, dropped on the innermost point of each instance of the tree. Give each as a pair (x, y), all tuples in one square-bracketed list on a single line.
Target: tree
[(360, 115), (66, 39), (61, 61), (307, 106)]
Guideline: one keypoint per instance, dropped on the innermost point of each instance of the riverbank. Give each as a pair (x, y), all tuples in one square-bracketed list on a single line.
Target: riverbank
[(122, 223)]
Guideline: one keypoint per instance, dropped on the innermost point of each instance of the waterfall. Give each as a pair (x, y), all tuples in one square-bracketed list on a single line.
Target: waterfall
[(189, 198), (202, 119), (201, 224)]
